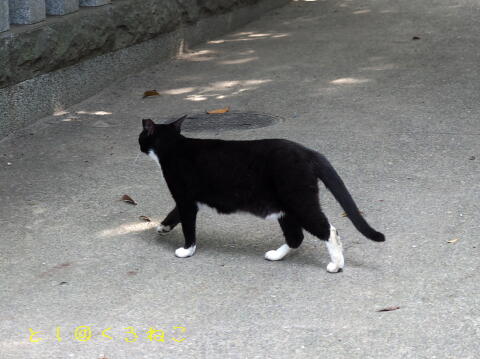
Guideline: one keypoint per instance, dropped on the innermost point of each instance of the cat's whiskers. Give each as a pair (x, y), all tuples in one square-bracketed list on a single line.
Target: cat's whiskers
[(136, 158)]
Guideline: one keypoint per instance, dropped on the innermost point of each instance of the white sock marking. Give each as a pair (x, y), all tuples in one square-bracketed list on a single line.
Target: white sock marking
[(185, 252), (280, 253), (163, 229), (335, 249)]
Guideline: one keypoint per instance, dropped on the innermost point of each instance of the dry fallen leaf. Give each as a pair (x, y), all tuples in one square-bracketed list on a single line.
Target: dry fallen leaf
[(219, 110), (344, 214), (388, 309), (455, 240), (145, 218), (150, 93), (126, 198)]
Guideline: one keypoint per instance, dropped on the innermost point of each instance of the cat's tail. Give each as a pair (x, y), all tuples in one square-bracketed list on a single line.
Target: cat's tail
[(327, 174)]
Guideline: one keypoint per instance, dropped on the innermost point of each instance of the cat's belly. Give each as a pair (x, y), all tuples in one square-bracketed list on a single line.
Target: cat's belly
[(263, 213), (275, 216)]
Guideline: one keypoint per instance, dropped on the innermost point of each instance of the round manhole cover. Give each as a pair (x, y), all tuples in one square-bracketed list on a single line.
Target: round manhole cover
[(228, 121)]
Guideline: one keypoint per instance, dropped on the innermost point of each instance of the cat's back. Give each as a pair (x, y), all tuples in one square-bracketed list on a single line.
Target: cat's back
[(233, 157), (261, 147), (273, 150)]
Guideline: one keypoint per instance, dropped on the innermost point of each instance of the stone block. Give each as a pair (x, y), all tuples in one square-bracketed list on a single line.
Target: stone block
[(61, 7), (27, 11), (4, 16), (94, 2)]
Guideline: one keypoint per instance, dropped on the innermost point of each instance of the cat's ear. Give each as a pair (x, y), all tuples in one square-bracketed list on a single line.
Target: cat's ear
[(177, 124), (149, 126)]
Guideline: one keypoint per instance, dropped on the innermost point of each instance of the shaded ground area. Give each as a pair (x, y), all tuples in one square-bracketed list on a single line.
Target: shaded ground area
[(398, 117)]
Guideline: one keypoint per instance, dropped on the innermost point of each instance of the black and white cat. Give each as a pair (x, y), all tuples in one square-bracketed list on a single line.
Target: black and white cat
[(270, 178)]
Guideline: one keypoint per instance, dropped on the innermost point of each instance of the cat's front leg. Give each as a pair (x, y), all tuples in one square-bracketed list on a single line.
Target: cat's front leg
[(188, 217), (169, 223)]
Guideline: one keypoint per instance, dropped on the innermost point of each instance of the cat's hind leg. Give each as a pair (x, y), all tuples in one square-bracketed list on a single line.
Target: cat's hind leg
[(293, 236), (172, 219), (314, 221), (335, 249)]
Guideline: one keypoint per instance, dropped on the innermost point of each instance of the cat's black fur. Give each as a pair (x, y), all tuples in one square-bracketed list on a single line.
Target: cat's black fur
[(260, 177)]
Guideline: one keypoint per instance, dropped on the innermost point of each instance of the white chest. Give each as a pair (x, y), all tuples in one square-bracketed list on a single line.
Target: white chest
[(154, 157)]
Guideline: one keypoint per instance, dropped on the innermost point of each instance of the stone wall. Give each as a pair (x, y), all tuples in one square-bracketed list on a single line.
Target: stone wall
[(91, 47), (28, 51)]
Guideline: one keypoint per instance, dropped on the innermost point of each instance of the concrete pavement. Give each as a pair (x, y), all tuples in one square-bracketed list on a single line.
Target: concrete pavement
[(398, 118)]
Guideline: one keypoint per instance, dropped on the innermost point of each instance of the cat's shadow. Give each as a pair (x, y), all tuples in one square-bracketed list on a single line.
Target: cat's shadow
[(216, 244)]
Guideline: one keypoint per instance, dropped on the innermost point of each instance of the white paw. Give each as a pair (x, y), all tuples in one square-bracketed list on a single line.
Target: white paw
[(280, 253), (185, 252), (337, 261), (333, 268), (163, 229), (273, 255)]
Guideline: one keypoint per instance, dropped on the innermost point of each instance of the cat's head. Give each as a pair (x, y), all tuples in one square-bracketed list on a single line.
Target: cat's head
[(159, 136)]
